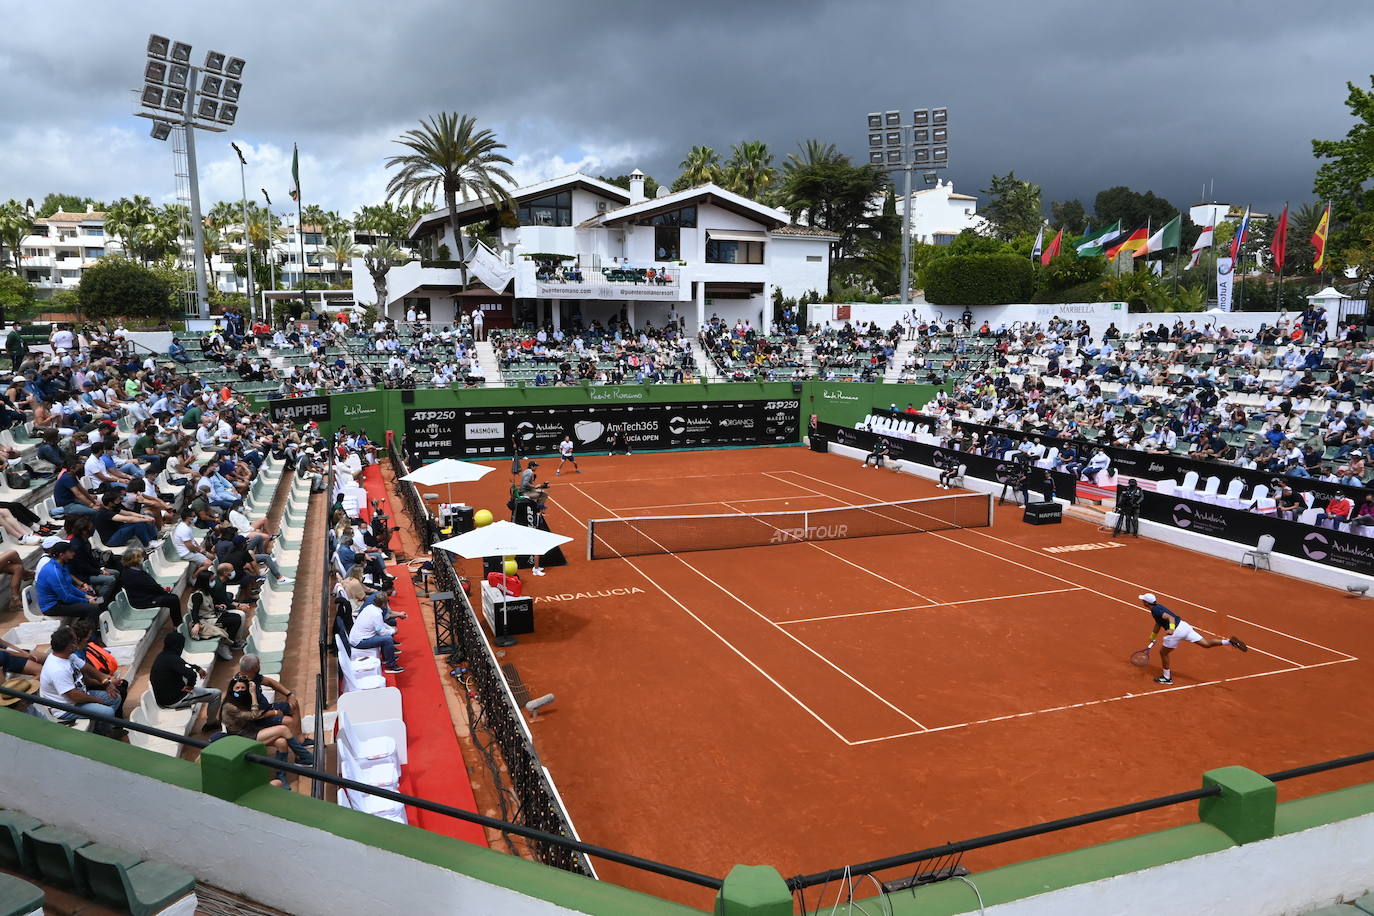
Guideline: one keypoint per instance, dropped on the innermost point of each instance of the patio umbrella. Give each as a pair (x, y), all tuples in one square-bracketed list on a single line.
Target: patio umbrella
[(447, 471), (500, 539)]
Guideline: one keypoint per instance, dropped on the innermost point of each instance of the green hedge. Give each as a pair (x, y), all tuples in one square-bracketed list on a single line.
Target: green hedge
[(979, 279)]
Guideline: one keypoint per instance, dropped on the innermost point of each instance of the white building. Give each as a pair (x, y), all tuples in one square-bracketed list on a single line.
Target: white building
[(938, 214), (61, 246), (587, 249)]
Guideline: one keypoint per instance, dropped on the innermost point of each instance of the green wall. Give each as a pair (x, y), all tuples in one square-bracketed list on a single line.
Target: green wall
[(841, 403)]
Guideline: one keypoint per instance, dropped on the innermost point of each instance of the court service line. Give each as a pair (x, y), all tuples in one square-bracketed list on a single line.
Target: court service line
[(1101, 702), (922, 607), (1105, 575), (718, 502), (710, 629), (936, 534), (863, 569), (860, 684)]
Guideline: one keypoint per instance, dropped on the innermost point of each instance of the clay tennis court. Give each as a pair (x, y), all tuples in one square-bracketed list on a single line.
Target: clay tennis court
[(813, 704)]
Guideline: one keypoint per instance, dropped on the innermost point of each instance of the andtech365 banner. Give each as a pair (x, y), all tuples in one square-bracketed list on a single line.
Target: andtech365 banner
[(474, 432)]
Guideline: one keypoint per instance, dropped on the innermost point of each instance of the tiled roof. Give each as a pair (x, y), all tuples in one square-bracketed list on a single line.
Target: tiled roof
[(61, 217), (805, 231)]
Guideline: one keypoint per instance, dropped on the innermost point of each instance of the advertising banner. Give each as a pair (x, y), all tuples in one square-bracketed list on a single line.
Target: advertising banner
[(1342, 550), (1225, 276), (301, 410), (476, 432)]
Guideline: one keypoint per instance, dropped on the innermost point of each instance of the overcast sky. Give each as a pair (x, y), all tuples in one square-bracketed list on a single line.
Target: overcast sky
[(1076, 96)]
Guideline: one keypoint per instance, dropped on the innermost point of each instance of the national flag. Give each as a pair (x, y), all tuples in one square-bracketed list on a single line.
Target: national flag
[(1039, 243), (1241, 232), (1170, 235), (1133, 242), (1052, 252), (295, 174), (1319, 240), (1204, 241), (1094, 244), (1278, 248)]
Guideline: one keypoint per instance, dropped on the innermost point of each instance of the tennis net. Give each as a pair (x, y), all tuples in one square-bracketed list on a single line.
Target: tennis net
[(608, 538)]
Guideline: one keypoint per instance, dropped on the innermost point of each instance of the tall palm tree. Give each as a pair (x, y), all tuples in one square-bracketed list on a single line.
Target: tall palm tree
[(701, 166), (341, 250), (750, 170), (379, 260), (14, 225), (449, 154), (224, 213), (128, 219)]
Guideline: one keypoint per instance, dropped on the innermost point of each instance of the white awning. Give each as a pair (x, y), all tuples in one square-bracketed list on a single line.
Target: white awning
[(737, 235)]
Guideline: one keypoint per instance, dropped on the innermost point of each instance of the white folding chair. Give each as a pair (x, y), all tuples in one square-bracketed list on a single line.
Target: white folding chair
[(1231, 498), (358, 682), (1188, 489), (1260, 554), (1209, 490), (382, 770)]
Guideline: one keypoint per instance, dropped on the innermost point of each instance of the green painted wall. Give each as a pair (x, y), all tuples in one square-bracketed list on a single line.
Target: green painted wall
[(841, 403)]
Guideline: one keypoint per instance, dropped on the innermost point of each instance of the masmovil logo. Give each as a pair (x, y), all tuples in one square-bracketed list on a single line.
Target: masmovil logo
[(1314, 546)]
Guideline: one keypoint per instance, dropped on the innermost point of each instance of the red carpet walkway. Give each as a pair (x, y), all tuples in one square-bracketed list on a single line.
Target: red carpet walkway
[(435, 770)]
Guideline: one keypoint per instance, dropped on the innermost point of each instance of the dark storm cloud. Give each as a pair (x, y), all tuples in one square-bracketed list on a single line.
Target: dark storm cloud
[(1074, 96)]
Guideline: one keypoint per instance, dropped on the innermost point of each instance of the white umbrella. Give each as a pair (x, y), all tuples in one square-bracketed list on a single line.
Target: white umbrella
[(447, 471), (502, 539)]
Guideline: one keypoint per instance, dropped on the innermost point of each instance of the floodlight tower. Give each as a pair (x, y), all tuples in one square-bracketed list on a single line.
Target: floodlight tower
[(191, 98), (920, 145)]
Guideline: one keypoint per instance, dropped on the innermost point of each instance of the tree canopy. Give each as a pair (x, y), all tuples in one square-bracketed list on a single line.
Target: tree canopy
[(1344, 178), (69, 203), (1133, 208), (1013, 207), (117, 286)]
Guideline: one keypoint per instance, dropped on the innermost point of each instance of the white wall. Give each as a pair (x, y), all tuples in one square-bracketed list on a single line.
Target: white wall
[(788, 268)]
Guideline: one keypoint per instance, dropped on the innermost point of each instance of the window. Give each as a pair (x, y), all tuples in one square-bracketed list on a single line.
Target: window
[(722, 251), (96, 231), (95, 252), (550, 210), (667, 243), (314, 238), (684, 216)]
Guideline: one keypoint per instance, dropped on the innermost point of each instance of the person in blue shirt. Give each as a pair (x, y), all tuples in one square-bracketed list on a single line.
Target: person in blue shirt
[(60, 595), (1177, 630), (69, 495)]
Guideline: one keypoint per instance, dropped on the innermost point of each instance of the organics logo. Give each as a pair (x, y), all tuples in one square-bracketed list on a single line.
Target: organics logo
[(1313, 545)]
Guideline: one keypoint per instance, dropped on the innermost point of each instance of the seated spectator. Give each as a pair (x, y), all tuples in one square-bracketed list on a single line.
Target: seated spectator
[(177, 684), (240, 714), (61, 682), (142, 590), (58, 594), (1364, 515), (371, 631), (286, 708), (211, 621), (118, 526), (1338, 509), (186, 540)]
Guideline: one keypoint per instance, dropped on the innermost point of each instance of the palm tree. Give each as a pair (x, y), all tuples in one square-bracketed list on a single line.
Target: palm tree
[(341, 250), (750, 169), (224, 213), (449, 154), (814, 153), (14, 225), (379, 260), (128, 219), (701, 166)]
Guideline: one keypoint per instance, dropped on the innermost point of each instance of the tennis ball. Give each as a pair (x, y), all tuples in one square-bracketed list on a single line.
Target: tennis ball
[(481, 518), (511, 567)]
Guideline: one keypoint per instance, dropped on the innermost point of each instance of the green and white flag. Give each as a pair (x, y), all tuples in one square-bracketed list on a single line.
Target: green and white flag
[(1096, 243), (1169, 236), (295, 174)]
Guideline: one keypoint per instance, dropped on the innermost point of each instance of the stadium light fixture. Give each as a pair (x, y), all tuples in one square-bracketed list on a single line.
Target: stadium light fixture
[(922, 143), (191, 99)]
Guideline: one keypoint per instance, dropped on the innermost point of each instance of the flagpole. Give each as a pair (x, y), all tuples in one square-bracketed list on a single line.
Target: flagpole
[(1177, 251), (1278, 298)]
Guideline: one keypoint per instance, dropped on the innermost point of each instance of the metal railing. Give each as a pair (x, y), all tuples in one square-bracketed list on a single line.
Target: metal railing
[(540, 806), (323, 697), (534, 835)]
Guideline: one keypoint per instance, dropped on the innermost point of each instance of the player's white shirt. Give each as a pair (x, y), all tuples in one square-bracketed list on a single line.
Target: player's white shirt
[(565, 448)]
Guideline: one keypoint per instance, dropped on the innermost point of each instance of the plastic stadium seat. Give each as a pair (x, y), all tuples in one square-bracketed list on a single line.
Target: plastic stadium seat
[(53, 850), (122, 880), (20, 898), (14, 855)]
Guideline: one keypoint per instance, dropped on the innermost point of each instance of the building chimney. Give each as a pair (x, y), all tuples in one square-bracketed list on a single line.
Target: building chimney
[(636, 187)]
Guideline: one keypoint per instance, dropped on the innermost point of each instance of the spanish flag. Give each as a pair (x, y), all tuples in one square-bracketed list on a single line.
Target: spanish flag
[(1133, 242), (1319, 240)]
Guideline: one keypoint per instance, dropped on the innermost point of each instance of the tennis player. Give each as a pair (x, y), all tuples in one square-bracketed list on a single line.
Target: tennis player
[(1178, 630), (565, 454)]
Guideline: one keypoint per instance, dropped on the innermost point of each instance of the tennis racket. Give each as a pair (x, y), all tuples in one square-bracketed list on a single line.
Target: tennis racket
[(1140, 658)]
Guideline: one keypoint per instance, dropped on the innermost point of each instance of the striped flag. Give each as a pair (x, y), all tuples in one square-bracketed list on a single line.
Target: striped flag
[(1039, 243), (1096, 242), (1204, 241), (1133, 242), (1241, 232), (1170, 235), (1319, 240)]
